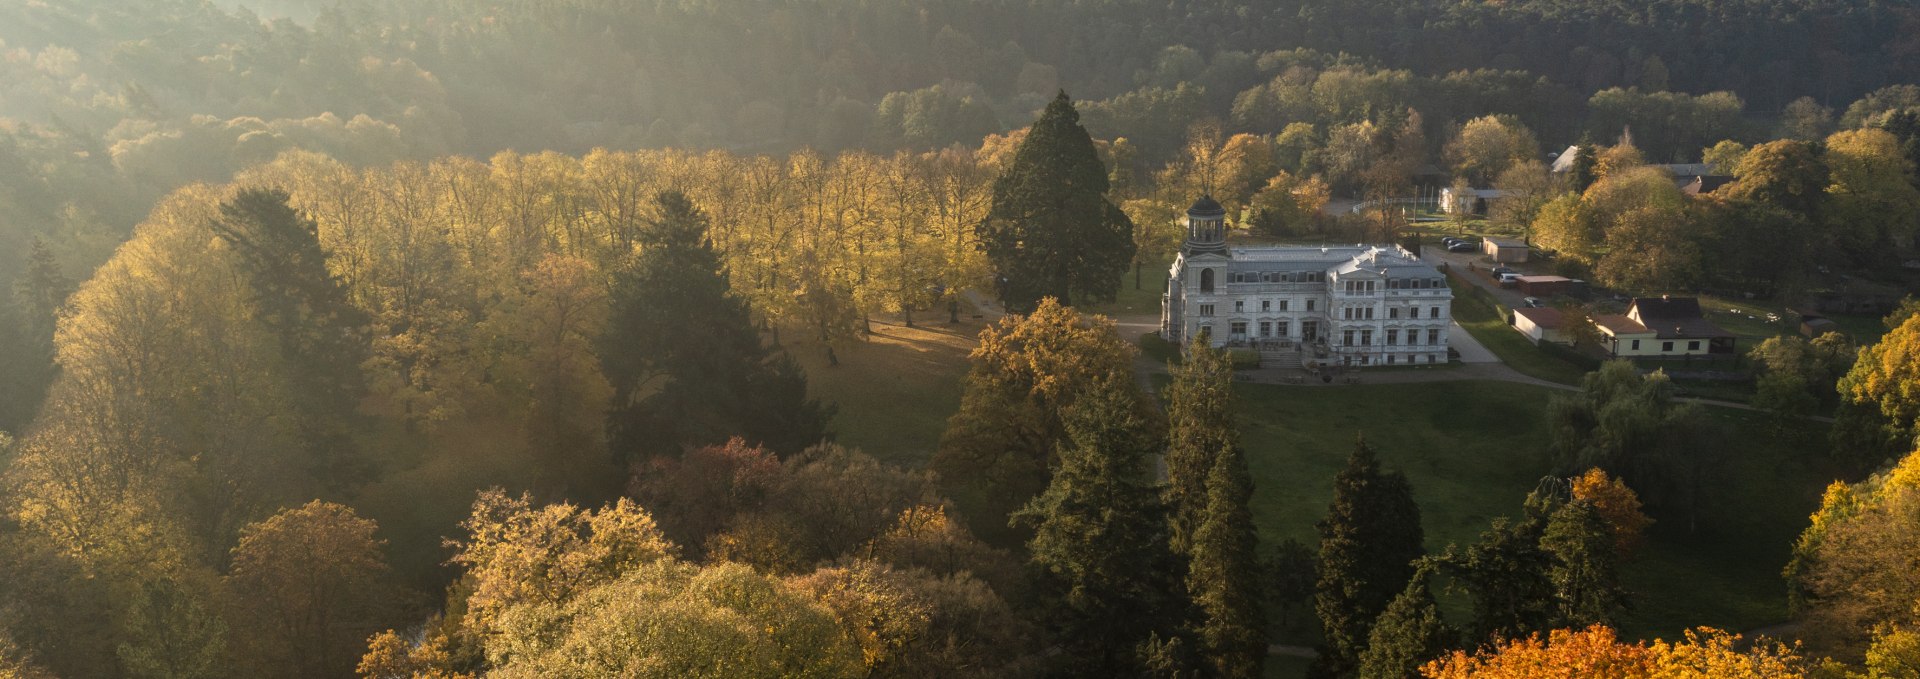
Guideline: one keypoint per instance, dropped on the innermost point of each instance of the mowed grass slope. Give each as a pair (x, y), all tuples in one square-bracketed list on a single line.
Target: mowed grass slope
[(1473, 450), (896, 389)]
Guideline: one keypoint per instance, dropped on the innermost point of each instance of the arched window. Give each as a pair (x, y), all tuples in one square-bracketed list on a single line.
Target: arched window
[(1206, 280)]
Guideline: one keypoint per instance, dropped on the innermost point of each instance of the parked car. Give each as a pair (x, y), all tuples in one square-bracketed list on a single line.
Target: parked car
[(1460, 246), (1509, 279), (1449, 240), (1499, 271), (1533, 302)]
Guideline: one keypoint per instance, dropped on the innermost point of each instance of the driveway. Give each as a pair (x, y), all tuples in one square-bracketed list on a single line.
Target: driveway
[(1470, 348), (1458, 262)]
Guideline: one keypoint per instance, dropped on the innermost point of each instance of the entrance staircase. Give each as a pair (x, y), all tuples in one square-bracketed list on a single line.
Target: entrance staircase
[(1283, 359)]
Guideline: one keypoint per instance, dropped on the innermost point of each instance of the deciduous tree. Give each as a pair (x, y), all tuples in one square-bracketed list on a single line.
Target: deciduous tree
[(308, 587)]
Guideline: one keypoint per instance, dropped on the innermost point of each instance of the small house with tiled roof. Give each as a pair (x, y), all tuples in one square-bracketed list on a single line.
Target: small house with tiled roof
[(1663, 326)]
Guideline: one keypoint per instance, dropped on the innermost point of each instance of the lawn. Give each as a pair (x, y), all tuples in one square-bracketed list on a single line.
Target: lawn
[(1473, 450), (1132, 300), (1481, 316), (894, 390)]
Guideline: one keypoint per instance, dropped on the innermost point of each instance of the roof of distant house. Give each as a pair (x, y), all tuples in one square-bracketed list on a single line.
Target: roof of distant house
[(1687, 169), (1564, 161), (1506, 243), (1545, 279), (1545, 317), (1674, 317), (1702, 183), (1620, 325)]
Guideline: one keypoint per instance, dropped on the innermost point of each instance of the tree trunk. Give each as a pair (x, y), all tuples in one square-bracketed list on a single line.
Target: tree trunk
[(953, 311)]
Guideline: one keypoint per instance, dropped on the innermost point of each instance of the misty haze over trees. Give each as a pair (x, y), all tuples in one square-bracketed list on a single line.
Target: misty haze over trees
[(444, 338)]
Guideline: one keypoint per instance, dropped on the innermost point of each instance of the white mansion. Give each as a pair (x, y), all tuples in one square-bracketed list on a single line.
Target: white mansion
[(1339, 305)]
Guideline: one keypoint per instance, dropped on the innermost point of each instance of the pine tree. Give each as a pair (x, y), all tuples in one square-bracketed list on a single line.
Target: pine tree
[(1506, 575), (1225, 571), (1585, 574), (1208, 487), (1582, 174), (26, 336), (1368, 543), (1113, 589), (1408, 634), (322, 335), (1051, 231), (1199, 428), (686, 363)]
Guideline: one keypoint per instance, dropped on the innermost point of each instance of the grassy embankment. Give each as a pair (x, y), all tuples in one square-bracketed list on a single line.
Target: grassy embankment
[(1476, 311), (1473, 450)]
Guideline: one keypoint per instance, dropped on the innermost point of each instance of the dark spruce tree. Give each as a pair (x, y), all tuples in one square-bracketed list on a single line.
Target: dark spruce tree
[(1224, 575), (687, 365), (1051, 231), (323, 336), (1368, 544), (1408, 634), (1113, 591), (1208, 487), (1199, 427), (1505, 574), (1582, 173), (1584, 570), (26, 336)]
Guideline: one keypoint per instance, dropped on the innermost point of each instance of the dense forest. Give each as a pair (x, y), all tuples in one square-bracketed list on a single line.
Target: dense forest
[(442, 338)]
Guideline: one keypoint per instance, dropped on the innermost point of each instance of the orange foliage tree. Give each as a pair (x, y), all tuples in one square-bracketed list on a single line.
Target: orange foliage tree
[(1597, 653)]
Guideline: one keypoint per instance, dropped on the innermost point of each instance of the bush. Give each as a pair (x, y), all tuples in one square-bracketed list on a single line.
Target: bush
[(1159, 349), (1243, 358), (1570, 355)]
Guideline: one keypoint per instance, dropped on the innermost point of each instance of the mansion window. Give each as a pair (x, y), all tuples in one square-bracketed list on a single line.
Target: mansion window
[(1283, 307), (1366, 338), (1413, 312), (1393, 312), (1266, 329), (1206, 309), (1237, 327), (1369, 311), (1266, 305), (1393, 337), (1346, 338), (1433, 336), (1413, 337), (1239, 306), (1281, 327), (1435, 312), (1390, 359)]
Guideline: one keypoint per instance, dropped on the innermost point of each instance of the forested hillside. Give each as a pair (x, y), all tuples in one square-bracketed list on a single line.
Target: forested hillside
[(448, 338)]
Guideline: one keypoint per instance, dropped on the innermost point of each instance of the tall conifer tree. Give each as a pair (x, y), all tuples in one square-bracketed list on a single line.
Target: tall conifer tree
[(1368, 543), (686, 363), (1225, 571), (1113, 590), (1408, 634), (1585, 573), (1208, 487), (323, 336), (26, 336), (1051, 231), (1199, 427)]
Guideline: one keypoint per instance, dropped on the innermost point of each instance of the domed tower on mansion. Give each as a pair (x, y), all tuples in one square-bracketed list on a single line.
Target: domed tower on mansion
[(1344, 305)]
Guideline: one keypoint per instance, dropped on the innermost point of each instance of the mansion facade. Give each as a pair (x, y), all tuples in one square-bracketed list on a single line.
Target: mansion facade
[(1336, 305)]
